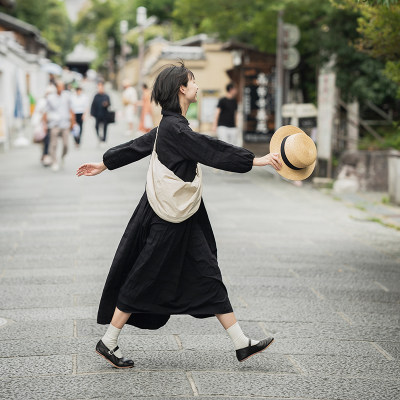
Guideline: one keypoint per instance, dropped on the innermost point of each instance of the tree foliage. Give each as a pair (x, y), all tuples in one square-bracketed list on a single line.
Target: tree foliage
[(51, 18), (249, 21), (380, 37)]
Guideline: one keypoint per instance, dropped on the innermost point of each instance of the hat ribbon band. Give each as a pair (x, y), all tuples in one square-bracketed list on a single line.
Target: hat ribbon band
[(284, 158)]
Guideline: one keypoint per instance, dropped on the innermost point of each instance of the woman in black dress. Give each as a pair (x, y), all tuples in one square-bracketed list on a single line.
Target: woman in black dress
[(163, 268)]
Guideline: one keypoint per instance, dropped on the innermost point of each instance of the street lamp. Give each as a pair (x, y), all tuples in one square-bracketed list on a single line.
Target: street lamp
[(143, 22), (141, 17), (123, 29)]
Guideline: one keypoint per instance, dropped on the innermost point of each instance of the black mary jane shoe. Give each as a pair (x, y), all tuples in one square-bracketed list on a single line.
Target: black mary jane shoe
[(109, 355), (246, 352)]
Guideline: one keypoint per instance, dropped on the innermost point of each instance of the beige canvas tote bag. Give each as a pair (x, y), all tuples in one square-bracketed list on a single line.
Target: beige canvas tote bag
[(171, 198)]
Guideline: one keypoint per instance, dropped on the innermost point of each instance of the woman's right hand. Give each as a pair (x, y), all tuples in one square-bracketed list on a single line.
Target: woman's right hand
[(91, 169), (270, 159)]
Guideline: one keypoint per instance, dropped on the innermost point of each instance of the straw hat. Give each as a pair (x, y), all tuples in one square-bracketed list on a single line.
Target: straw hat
[(297, 150)]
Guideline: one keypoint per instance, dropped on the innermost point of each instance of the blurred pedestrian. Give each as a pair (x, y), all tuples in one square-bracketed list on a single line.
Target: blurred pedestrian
[(130, 102), (80, 104), (98, 110), (41, 133), (60, 119), (225, 116), (146, 114), (166, 262)]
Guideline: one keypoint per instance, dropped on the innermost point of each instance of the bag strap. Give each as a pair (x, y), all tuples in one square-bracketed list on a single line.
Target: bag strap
[(155, 141)]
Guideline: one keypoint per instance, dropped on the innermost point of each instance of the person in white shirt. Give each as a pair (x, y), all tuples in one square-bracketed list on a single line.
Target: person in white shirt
[(130, 100), (60, 120), (79, 103)]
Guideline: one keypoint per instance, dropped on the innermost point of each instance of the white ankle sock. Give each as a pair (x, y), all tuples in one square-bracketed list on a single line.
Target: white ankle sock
[(238, 338), (110, 339)]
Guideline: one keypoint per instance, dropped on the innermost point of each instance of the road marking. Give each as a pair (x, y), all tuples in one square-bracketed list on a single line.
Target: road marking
[(295, 364), (345, 317), (264, 329), (242, 301), (382, 351), (75, 329), (3, 321), (74, 364), (178, 341), (317, 293), (295, 274), (381, 286), (192, 384)]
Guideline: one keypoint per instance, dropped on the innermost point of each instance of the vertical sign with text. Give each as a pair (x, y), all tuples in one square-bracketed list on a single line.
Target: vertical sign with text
[(258, 106)]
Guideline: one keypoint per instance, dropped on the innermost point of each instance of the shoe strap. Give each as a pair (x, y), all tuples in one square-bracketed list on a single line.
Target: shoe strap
[(249, 342), (111, 352)]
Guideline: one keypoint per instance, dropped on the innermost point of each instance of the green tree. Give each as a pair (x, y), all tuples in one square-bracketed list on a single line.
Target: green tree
[(380, 37), (249, 21), (329, 30), (51, 18)]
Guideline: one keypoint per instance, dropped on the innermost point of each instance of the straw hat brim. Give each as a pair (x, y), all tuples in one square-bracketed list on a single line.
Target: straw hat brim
[(275, 147)]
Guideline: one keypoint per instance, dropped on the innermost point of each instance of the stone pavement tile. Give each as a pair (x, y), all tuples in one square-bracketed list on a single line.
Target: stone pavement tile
[(363, 307), (33, 366), (391, 347), (265, 281), (28, 301), (36, 280), (34, 329), (266, 291), (50, 314), (330, 330), (120, 384), (378, 295), (290, 346), (75, 271), (76, 287), (374, 319), (343, 272), (67, 345), (39, 248), (177, 324), (296, 313), (187, 360), (37, 261), (256, 270), (289, 386), (389, 284), (347, 366)]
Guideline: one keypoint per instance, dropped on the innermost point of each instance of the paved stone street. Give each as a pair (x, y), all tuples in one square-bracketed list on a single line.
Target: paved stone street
[(298, 265)]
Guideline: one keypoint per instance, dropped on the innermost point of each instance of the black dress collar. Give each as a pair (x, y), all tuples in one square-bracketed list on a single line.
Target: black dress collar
[(167, 113)]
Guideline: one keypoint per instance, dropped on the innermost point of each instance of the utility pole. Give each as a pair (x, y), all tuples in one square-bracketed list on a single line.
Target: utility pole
[(123, 28), (141, 18), (279, 72)]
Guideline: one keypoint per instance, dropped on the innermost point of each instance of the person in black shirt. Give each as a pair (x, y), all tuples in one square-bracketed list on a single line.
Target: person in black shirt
[(225, 117), (163, 268), (98, 110)]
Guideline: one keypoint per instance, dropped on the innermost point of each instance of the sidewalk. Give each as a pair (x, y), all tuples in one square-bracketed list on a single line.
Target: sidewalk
[(375, 205), (298, 265)]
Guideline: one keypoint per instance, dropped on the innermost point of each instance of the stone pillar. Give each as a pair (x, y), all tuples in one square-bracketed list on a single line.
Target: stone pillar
[(353, 115), (394, 177)]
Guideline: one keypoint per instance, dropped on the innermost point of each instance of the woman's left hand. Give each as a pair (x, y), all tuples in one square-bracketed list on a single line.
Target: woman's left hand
[(270, 159), (91, 169)]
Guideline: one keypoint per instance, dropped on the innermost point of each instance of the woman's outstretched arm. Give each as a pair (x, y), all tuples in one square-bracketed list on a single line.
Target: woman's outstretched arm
[(218, 154), (121, 155), (130, 152)]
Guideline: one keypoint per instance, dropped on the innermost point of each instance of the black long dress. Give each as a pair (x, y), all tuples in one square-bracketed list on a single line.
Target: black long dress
[(163, 268)]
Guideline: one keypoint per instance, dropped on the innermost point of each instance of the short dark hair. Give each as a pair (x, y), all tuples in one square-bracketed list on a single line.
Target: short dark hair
[(166, 86), (230, 86)]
